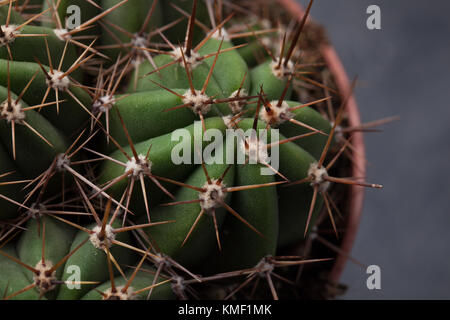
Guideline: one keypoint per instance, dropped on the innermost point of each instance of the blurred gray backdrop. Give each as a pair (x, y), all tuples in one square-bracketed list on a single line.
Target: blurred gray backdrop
[(403, 69)]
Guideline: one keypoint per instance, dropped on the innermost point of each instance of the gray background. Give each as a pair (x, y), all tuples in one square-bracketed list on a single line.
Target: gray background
[(403, 69)]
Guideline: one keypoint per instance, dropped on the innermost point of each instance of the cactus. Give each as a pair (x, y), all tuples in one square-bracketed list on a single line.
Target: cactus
[(92, 118)]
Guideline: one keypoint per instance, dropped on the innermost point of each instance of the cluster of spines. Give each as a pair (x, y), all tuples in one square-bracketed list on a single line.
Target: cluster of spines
[(138, 166)]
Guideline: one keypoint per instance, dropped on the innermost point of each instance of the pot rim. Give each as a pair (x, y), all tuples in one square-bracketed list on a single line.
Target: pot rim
[(335, 66)]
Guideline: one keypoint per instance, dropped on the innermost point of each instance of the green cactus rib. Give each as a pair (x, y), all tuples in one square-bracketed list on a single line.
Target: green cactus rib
[(30, 48), (71, 116), (89, 123), (30, 143)]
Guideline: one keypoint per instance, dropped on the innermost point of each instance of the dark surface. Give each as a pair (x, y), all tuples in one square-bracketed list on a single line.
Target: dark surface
[(403, 69)]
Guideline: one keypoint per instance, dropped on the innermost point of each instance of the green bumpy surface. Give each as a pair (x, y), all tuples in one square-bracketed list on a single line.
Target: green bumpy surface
[(278, 213)]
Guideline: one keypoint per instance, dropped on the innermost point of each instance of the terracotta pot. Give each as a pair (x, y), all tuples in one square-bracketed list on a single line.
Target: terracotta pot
[(357, 193)]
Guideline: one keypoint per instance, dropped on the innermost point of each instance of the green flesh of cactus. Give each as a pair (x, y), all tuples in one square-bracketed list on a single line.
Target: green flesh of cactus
[(276, 212)]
